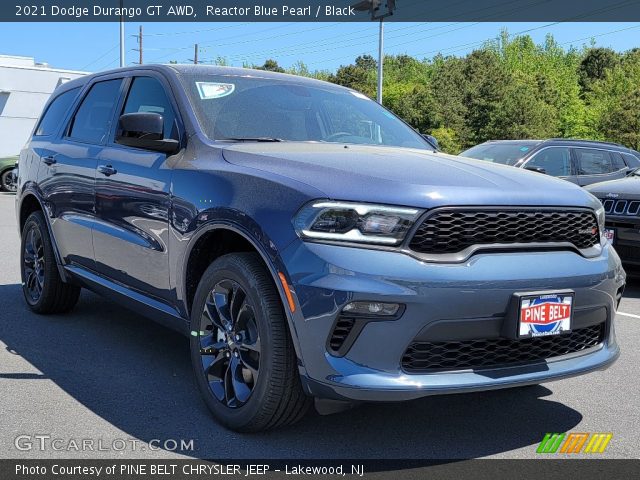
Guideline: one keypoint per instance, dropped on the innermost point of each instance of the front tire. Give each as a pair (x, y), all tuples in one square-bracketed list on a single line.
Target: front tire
[(241, 350), (43, 289)]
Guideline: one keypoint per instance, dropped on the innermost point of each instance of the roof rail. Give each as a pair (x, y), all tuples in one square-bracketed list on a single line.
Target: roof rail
[(599, 142)]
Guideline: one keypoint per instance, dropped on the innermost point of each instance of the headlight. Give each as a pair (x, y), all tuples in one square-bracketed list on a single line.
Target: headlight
[(355, 222), (601, 218)]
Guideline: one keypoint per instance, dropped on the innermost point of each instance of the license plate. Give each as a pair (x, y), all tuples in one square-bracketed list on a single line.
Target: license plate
[(543, 315), (610, 234)]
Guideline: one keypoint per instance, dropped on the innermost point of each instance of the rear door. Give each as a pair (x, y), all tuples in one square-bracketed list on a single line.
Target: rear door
[(67, 172), (130, 237), (555, 161), (598, 165)]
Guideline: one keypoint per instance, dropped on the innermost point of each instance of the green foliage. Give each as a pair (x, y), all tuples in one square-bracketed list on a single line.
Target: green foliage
[(271, 65), (510, 88)]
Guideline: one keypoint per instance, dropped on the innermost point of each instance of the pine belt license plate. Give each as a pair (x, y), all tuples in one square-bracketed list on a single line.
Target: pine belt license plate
[(544, 315)]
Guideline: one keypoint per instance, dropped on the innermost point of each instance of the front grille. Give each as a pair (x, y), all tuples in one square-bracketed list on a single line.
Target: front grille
[(341, 331), (628, 252), (453, 230), (622, 207), (425, 357)]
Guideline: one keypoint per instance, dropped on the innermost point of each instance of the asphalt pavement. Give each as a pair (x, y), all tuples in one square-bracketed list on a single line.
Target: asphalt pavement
[(105, 375)]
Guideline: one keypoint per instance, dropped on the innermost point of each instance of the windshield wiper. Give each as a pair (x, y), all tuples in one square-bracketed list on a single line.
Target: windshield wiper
[(253, 139)]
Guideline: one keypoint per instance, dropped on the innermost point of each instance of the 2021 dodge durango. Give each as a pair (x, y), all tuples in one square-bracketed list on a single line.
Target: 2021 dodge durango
[(309, 242)]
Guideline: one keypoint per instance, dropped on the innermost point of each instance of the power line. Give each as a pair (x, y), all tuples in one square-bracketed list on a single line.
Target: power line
[(601, 34), (296, 51), (101, 56)]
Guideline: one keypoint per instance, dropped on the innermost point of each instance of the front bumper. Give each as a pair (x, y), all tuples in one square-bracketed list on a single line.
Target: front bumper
[(449, 301)]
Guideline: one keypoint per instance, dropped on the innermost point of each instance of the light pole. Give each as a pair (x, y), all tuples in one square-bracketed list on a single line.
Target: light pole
[(378, 9)]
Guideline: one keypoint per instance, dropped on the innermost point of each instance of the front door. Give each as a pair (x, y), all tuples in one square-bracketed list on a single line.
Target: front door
[(555, 161), (131, 233)]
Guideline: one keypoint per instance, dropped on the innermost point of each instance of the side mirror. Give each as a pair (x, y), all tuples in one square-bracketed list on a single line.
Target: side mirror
[(536, 169), (145, 130), (633, 171), (432, 140)]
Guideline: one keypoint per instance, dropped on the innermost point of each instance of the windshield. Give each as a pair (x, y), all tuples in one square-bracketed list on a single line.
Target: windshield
[(506, 153), (264, 109)]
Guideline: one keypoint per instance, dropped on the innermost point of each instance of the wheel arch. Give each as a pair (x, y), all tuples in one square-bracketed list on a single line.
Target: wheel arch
[(213, 231), (31, 202)]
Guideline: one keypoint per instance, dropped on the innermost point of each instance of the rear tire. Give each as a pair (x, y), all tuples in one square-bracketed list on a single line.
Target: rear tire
[(242, 354), (43, 289)]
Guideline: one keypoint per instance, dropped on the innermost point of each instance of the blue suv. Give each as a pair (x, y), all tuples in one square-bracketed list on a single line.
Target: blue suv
[(309, 243)]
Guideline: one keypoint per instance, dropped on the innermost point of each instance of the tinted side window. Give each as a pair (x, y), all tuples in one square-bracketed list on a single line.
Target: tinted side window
[(618, 162), (556, 161), (632, 161), (148, 95), (55, 113), (593, 162), (93, 118)]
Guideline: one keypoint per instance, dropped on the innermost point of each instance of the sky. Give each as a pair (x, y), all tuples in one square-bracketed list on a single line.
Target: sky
[(321, 46)]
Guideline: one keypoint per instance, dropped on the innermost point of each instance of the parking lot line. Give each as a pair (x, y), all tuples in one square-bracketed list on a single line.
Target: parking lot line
[(628, 315)]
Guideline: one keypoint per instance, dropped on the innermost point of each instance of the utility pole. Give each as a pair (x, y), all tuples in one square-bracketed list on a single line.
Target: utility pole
[(140, 44), (139, 49), (121, 36), (195, 55)]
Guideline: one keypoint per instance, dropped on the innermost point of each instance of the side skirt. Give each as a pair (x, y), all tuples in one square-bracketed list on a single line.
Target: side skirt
[(146, 306)]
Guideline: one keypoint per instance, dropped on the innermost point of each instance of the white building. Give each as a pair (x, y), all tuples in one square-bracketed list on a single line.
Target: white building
[(25, 87)]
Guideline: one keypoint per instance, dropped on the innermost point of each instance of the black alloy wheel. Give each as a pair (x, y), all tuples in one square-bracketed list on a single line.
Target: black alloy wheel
[(230, 344), (33, 263)]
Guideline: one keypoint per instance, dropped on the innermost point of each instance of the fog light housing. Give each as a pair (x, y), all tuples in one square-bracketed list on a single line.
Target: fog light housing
[(372, 308)]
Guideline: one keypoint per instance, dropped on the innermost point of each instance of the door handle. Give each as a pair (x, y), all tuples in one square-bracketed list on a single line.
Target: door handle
[(50, 160), (107, 170)]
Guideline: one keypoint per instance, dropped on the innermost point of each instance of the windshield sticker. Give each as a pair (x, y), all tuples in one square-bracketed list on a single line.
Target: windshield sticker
[(210, 90), (524, 149)]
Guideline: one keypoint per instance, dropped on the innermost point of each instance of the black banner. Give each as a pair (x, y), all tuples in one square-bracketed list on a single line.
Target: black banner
[(547, 469), (319, 10)]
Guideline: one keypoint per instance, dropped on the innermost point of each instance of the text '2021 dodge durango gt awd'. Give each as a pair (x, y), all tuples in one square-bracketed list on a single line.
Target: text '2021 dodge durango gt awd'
[(310, 243)]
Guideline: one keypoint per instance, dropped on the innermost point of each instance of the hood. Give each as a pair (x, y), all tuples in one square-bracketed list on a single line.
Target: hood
[(628, 187), (402, 176)]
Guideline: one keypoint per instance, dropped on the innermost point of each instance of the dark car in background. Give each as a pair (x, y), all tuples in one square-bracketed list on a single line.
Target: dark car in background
[(7, 180), (308, 242), (582, 162), (621, 201)]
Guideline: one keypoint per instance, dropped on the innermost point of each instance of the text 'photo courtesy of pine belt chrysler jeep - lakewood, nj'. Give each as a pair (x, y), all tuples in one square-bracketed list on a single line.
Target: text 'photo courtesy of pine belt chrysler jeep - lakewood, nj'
[(312, 246)]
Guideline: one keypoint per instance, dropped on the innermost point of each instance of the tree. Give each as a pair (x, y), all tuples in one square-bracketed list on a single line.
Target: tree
[(522, 114), (595, 65), (360, 76), (272, 66), (622, 124)]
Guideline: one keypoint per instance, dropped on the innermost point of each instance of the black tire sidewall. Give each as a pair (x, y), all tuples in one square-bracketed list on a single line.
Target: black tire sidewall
[(232, 267)]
